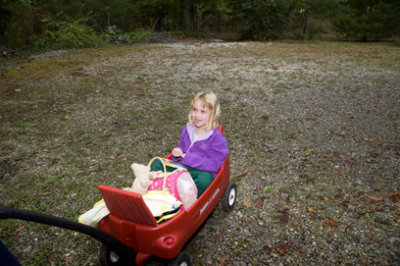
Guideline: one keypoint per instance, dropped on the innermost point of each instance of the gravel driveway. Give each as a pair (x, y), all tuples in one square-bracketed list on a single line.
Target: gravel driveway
[(313, 130)]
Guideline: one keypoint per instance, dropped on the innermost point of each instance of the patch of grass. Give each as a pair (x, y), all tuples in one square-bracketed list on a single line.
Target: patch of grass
[(279, 91), (267, 190), (37, 70), (43, 253), (325, 167)]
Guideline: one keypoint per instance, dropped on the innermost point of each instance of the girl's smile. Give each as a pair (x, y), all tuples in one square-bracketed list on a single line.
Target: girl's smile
[(200, 116)]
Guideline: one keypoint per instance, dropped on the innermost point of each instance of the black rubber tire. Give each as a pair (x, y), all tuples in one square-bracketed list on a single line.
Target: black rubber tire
[(108, 258), (183, 259), (229, 198)]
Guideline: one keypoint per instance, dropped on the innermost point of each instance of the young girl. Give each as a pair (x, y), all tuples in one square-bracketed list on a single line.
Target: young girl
[(202, 147)]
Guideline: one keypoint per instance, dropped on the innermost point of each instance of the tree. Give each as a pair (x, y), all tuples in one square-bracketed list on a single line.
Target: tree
[(19, 22), (367, 20), (306, 9), (262, 19), (212, 12)]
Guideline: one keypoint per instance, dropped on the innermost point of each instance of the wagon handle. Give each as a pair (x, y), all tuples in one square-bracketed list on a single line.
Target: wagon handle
[(119, 247)]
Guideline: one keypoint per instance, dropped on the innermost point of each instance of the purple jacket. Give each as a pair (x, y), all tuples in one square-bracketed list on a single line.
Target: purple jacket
[(207, 153)]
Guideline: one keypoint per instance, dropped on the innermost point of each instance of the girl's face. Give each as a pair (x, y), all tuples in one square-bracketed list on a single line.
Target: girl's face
[(200, 115)]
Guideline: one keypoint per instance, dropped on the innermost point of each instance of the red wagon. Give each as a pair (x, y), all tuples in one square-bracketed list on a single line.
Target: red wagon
[(130, 234), (132, 223)]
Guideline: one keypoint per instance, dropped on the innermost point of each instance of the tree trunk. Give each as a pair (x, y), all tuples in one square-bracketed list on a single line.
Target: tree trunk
[(182, 14), (305, 25), (187, 14)]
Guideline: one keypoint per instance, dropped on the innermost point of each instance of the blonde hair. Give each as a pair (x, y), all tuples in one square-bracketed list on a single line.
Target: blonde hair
[(209, 99)]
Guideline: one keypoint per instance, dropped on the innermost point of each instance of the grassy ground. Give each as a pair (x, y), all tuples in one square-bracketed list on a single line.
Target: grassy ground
[(313, 130)]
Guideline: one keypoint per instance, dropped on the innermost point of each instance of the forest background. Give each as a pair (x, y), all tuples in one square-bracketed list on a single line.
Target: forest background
[(60, 24)]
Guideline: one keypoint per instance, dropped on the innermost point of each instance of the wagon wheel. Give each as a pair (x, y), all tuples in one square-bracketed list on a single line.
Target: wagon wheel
[(183, 259), (229, 198), (107, 257)]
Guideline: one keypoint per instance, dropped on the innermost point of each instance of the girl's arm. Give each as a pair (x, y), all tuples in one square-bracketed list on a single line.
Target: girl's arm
[(177, 153), (210, 158)]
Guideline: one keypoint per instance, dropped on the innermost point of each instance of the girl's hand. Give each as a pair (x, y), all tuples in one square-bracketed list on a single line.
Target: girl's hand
[(177, 152)]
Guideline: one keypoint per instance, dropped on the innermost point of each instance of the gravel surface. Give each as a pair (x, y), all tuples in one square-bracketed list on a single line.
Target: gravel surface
[(313, 130)]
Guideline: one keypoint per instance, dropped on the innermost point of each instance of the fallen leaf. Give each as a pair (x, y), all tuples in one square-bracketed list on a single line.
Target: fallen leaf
[(282, 251), (382, 221), (254, 144), (395, 197), (268, 249), (373, 141), (223, 261), (247, 205), (66, 117), (310, 209), (341, 134), (369, 228), (335, 200), (298, 252), (20, 228), (374, 198), (342, 170), (291, 136), (241, 175), (284, 218), (240, 249), (331, 222)]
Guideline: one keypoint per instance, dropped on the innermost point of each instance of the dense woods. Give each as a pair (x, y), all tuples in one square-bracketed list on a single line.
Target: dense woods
[(43, 24)]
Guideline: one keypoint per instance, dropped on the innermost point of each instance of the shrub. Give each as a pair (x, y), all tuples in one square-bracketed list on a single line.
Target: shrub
[(263, 20), (63, 34), (371, 23), (140, 35)]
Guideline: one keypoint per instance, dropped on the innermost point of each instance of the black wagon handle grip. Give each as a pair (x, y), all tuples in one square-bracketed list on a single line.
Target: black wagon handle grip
[(37, 217)]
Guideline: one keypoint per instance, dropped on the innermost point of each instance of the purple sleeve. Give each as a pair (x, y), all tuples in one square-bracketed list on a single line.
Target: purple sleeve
[(181, 144), (210, 157)]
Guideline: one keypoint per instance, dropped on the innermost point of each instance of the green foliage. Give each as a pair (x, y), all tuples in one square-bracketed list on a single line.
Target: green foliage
[(111, 33), (62, 34), (27, 23), (371, 20), (140, 35), (213, 13), (309, 17), (262, 19), (17, 23)]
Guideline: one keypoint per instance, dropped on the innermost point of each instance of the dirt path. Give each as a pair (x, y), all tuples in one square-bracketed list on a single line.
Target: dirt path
[(313, 131)]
